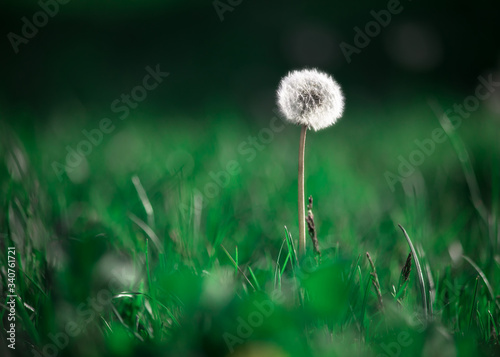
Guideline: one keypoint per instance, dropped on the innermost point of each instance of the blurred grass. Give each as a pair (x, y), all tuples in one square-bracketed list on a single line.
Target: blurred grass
[(185, 295)]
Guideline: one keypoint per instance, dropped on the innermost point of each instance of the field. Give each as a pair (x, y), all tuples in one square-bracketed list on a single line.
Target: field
[(178, 236)]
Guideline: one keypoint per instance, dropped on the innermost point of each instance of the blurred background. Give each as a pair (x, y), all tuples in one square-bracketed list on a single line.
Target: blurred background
[(225, 61), (211, 119), (232, 58)]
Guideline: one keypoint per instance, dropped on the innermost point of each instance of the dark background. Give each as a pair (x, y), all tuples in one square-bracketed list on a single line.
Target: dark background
[(221, 92), (89, 53)]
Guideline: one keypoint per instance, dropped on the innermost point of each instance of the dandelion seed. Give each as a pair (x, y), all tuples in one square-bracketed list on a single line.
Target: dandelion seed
[(312, 98)]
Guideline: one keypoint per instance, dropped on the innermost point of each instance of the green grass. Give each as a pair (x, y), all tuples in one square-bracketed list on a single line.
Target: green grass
[(183, 274)]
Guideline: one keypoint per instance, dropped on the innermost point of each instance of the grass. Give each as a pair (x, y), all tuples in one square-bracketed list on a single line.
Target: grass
[(132, 255)]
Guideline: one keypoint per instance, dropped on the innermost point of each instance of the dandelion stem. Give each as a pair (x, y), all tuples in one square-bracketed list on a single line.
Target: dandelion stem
[(302, 204)]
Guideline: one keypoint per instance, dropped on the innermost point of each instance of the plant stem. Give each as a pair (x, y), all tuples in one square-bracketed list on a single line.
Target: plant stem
[(301, 200)]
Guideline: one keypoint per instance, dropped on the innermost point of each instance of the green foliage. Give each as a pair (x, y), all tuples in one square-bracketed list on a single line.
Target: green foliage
[(132, 249)]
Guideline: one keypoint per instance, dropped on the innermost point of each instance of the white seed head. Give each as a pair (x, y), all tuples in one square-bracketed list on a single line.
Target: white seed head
[(312, 98)]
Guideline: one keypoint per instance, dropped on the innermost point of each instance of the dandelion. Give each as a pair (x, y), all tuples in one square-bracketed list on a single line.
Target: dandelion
[(315, 101)]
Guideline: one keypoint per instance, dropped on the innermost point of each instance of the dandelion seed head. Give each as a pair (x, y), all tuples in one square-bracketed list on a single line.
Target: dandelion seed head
[(312, 98)]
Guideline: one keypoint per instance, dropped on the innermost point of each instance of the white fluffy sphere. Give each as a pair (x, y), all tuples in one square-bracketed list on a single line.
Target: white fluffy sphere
[(312, 98)]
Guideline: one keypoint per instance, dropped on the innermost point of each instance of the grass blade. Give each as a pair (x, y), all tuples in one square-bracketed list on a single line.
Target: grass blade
[(141, 192), (254, 277), (149, 232), (237, 267), (375, 282), (463, 157), (421, 282), (291, 246), (473, 301), (485, 279)]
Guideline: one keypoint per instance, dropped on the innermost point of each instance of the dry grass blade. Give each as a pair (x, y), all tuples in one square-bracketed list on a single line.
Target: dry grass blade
[(421, 282), (405, 272), (312, 228), (375, 282), (405, 276)]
